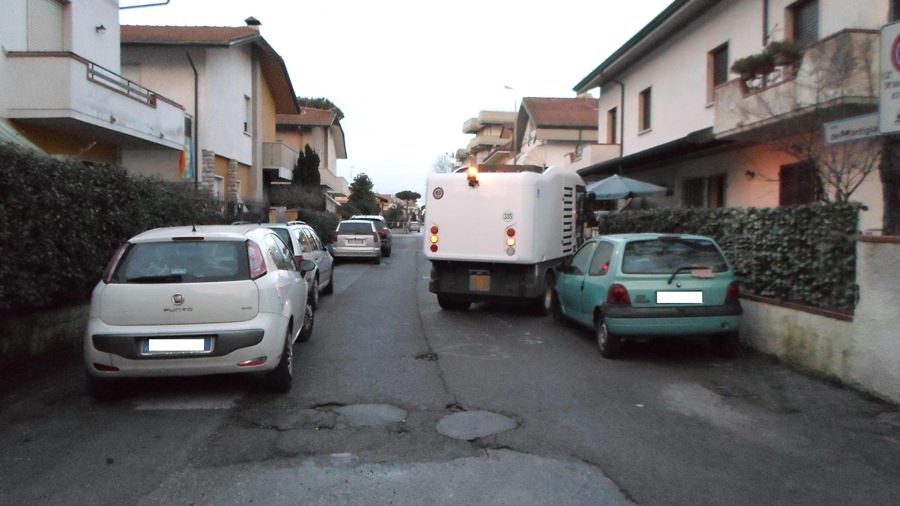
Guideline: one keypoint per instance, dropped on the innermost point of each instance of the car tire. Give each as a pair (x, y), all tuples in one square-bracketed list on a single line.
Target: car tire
[(313, 295), (102, 389), (556, 309), (386, 253), (453, 304), (280, 378), (544, 302), (726, 346), (329, 288), (309, 321), (609, 344)]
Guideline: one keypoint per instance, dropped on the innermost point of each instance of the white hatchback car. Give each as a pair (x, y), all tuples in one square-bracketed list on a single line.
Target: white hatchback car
[(185, 301)]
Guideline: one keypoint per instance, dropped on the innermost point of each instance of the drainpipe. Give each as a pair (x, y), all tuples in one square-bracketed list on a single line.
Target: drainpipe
[(621, 121), (765, 24), (196, 136)]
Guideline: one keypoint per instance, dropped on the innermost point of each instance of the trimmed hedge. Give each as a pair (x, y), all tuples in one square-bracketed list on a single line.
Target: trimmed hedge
[(804, 254), (60, 222), (322, 222)]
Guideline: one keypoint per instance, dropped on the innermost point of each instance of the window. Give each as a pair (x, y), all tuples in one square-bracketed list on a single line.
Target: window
[(600, 262), (717, 70), (248, 114), (611, 125), (797, 185), (582, 258), (894, 13), (644, 110), (803, 20), (218, 188), (707, 192), (664, 255)]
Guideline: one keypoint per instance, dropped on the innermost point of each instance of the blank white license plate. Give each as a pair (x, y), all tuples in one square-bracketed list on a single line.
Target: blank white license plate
[(679, 297), (355, 242), (176, 345)]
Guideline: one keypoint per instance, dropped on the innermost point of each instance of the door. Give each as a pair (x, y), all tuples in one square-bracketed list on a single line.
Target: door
[(571, 281), (597, 281)]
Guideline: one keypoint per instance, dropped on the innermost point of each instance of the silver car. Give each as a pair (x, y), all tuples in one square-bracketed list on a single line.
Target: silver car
[(188, 301), (356, 239), (306, 244)]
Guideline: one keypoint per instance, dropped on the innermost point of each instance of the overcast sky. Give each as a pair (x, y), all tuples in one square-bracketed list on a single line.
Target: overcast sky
[(407, 74)]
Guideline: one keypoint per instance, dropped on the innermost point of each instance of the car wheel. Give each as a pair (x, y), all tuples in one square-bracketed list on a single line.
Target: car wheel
[(280, 378), (610, 344), (544, 303), (453, 304), (309, 320), (101, 389), (329, 288), (556, 309), (726, 346), (387, 252), (313, 295)]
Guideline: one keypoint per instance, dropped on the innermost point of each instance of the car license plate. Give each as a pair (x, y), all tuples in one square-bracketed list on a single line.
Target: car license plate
[(355, 242), (480, 282), (196, 345), (679, 297)]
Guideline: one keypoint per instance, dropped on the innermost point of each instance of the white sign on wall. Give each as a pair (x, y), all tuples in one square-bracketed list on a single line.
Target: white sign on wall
[(851, 129), (889, 102)]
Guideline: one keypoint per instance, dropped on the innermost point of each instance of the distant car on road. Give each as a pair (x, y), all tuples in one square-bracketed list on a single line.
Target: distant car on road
[(650, 285), (306, 244), (183, 301), (356, 239), (381, 227), (414, 226)]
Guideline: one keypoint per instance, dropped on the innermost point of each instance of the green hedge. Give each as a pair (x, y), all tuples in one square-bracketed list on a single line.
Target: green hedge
[(61, 221), (804, 254), (322, 222)]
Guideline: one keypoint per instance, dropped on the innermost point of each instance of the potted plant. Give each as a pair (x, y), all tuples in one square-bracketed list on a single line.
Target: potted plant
[(753, 65), (784, 52)]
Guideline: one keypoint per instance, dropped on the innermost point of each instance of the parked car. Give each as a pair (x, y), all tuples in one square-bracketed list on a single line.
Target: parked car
[(306, 244), (414, 226), (650, 285), (188, 301), (356, 239), (384, 232)]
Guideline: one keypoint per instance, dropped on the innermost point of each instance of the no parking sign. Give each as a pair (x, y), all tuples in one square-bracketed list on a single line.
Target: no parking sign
[(889, 102)]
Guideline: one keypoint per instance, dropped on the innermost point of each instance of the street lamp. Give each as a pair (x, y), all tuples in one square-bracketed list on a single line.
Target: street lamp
[(512, 144)]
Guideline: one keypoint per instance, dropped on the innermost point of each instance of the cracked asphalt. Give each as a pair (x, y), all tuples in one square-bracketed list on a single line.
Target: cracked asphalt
[(398, 402)]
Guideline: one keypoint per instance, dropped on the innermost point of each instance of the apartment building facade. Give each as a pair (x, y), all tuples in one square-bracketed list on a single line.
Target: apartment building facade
[(493, 139), (62, 90), (680, 117), (555, 131), (234, 84)]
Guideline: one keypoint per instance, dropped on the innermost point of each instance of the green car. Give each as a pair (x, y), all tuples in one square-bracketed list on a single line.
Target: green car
[(636, 286)]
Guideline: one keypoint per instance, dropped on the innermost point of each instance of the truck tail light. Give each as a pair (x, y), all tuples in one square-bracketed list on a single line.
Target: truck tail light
[(257, 260), (733, 293), (618, 294), (510, 237), (113, 263), (434, 239)]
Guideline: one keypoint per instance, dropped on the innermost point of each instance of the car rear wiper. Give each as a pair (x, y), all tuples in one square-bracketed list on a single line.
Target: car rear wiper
[(165, 278), (682, 269)]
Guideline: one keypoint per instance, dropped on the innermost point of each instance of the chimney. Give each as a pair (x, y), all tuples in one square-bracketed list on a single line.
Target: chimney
[(253, 23)]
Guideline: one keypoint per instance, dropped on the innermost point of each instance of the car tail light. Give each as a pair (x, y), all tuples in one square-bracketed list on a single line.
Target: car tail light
[(257, 260), (298, 259), (733, 293), (375, 236), (618, 294), (113, 263), (334, 236), (253, 362)]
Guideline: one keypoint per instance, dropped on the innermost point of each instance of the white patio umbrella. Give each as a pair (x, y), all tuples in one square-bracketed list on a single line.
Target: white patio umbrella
[(617, 187)]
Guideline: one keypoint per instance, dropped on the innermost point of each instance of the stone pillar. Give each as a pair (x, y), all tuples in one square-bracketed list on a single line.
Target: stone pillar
[(208, 171), (234, 182)]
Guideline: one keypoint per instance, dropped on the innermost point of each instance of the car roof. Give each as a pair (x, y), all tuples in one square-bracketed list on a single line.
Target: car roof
[(356, 220), (367, 217), (222, 232), (643, 236)]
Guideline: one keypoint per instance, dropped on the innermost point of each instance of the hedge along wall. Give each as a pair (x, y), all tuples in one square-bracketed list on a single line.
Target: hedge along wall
[(60, 222), (804, 254)]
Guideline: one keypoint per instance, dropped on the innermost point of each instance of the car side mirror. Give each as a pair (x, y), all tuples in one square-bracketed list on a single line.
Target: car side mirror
[(307, 266)]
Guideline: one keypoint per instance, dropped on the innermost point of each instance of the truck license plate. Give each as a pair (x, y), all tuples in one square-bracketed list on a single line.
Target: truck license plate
[(480, 282)]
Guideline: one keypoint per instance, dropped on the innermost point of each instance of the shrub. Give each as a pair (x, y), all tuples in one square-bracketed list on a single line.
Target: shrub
[(322, 222), (805, 254), (61, 221)]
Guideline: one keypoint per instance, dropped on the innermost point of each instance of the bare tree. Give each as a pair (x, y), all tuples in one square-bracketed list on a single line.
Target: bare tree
[(443, 164), (835, 79)]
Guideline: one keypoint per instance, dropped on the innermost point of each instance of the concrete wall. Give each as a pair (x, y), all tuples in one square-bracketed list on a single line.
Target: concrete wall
[(863, 352)]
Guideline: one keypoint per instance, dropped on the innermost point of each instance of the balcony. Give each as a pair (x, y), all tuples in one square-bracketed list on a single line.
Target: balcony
[(482, 142), (279, 160), (334, 185), (62, 91), (836, 77)]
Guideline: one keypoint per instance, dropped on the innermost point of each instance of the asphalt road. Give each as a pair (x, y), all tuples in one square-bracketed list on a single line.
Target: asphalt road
[(398, 402)]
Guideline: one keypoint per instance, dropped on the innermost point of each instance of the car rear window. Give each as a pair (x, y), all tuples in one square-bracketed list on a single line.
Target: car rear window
[(345, 228), (666, 255), (285, 236), (184, 262)]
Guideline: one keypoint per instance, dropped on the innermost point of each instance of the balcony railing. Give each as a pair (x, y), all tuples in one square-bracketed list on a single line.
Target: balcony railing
[(87, 93), (837, 73), (486, 142)]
